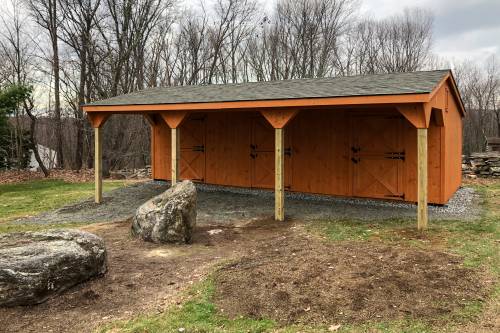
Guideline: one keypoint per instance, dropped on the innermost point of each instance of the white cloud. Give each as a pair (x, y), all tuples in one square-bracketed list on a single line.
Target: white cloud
[(464, 29)]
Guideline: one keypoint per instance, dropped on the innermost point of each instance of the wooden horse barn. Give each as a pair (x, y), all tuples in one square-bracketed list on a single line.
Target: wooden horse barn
[(386, 136)]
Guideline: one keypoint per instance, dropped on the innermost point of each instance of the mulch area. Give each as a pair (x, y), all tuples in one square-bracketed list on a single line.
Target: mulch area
[(71, 176), (303, 279)]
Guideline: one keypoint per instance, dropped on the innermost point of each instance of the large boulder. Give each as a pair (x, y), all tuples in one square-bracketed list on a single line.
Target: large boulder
[(36, 265), (169, 217)]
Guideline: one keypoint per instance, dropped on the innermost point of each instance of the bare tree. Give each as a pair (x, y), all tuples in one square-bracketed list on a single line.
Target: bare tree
[(300, 40), (18, 51), (17, 54), (233, 25), (405, 41), (480, 88), (46, 15), (28, 107), (110, 47), (80, 17)]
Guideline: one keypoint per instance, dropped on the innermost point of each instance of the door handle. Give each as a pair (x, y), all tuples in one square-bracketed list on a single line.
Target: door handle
[(355, 160)]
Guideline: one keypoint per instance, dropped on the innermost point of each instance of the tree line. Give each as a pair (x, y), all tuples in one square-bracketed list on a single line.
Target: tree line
[(72, 52)]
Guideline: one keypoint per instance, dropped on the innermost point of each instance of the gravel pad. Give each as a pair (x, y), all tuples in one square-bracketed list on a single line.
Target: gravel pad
[(221, 205)]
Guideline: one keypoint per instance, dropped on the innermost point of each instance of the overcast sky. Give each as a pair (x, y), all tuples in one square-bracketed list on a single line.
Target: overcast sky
[(463, 29)]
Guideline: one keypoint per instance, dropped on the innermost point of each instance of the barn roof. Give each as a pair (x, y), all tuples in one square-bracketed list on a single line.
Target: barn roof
[(362, 85)]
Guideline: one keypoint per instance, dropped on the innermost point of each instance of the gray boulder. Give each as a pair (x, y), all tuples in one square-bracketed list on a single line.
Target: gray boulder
[(169, 217), (36, 265)]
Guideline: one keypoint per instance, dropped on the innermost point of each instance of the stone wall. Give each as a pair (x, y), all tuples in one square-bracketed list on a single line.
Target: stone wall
[(484, 165), (131, 173)]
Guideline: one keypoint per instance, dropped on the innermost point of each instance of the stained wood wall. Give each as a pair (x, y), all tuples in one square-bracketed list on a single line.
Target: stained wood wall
[(452, 133), (218, 148)]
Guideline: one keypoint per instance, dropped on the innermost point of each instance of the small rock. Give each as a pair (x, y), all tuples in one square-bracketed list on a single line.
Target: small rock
[(214, 232), (334, 328)]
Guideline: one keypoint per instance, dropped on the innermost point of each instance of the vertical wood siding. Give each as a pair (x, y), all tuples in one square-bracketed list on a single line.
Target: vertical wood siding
[(318, 155)]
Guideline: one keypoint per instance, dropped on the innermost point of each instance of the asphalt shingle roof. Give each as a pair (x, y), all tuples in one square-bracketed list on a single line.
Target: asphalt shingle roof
[(362, 85)]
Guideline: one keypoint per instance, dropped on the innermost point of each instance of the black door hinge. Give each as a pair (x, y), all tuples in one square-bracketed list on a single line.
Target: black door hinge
[(200, 148)]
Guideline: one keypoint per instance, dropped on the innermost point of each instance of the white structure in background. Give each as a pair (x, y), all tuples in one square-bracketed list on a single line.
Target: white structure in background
[(48, 156)]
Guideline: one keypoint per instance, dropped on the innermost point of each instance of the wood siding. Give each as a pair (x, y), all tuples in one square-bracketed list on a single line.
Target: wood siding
[(452, 156), (238, 150), (228, 149), (320, 156), (434, 163), (161, 159)]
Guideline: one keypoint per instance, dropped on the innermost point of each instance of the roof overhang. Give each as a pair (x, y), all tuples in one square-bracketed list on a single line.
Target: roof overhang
[(262, 104), (448, 78)]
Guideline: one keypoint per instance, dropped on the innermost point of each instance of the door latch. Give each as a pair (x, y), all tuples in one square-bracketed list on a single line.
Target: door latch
[(395, 155)]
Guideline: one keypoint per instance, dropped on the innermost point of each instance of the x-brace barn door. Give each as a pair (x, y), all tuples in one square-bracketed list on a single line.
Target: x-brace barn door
[(377, 156), (192, 163)]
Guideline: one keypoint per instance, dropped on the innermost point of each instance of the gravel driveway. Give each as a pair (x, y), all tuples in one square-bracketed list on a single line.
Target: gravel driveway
[(219, 205)]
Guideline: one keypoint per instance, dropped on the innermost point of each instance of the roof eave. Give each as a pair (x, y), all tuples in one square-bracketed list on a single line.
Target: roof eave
[(275, 103)]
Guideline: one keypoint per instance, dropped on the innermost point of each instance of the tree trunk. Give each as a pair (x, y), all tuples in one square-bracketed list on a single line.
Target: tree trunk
[(33, 142), (57, 96), (79, 111), (52, 28)]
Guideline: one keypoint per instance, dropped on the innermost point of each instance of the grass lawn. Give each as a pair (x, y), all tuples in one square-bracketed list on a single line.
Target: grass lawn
[(33, 197), (477, 242), (198, 314)]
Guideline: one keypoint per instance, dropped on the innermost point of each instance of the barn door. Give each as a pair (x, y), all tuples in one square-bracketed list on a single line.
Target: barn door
[(377, 156), (262, 154), (192, 163)]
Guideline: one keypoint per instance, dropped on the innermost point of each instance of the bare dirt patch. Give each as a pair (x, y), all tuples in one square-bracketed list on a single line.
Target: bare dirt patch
[(302, 279), (279, 271), (142, 278)]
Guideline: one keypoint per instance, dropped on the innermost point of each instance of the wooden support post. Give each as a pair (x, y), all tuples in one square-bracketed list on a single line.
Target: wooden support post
[(174, 120), (279, 195), (422, 215), (175, 154), (98, 164), (278, 119), (97, 120)]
